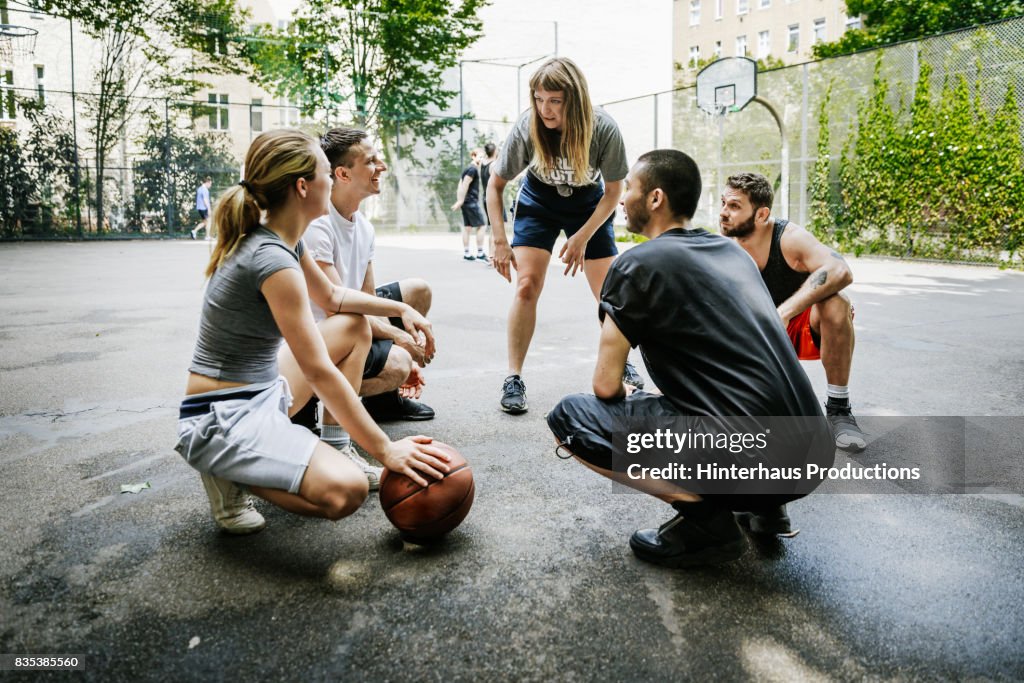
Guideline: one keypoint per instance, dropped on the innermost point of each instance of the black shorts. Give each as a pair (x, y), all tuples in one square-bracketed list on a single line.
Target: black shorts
[(584, 425), (203, 213), (472, 216), (381, 348)]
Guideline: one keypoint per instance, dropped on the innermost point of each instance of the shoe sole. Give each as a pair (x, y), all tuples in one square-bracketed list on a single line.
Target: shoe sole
[(855, 447), (709, 556), (242, 531), (515, 411), (782, 529)]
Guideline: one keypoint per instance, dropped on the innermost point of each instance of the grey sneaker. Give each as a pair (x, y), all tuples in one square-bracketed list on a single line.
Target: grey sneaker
[(371, 471), (847, 432), (232, 507), (513, 395)]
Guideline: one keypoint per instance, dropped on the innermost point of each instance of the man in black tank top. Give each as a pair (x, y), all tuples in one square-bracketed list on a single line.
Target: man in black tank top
[(805, 279)]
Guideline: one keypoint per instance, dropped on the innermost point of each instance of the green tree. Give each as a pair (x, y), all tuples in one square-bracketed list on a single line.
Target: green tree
[(889, 21), (822, 200), (173, 166), (15, 184), (382, 60), (149, 45)]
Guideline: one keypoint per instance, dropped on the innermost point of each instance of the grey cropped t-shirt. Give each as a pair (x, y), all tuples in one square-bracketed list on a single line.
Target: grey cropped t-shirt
[(238, 336)]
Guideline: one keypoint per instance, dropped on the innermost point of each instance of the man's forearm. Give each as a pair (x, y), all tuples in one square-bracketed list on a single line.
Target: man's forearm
[(821, 284)]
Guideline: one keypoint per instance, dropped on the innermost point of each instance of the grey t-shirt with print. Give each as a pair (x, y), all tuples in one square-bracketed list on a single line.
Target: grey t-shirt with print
[(607, 154), (238, 336)]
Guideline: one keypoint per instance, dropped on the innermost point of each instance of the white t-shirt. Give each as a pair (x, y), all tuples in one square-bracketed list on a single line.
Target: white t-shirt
[(347, 245)]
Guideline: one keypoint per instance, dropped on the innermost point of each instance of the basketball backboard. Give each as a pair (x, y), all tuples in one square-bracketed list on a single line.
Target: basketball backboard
[(727, 85)]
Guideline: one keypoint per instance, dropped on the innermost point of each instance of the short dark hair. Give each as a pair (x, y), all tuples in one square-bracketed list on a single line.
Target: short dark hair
[(207, 179), (675, 174), (337, 144), (755, 186), (489, 149)]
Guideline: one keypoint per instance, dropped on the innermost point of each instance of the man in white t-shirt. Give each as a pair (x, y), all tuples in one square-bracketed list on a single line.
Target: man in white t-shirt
[(342, 243)]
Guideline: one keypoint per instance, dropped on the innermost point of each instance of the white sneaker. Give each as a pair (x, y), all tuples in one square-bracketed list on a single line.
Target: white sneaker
[(232, 507), (372, 472)]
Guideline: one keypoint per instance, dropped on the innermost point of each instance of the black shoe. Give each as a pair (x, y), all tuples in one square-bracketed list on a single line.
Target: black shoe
[(768, 521), (307, 416), (468, 257), (709, 537), (389, 407), (845, 430), (513, 395), (632, 377)]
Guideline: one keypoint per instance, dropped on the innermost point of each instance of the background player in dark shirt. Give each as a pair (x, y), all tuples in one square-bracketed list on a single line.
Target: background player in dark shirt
[(805, 279), (468, 200), (694, 304)]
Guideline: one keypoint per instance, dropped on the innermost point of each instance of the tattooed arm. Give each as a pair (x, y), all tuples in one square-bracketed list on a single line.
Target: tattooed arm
[(829, 272)]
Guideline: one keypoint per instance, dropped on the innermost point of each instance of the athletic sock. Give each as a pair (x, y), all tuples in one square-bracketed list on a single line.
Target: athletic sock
[(838, 396), (336, 436)]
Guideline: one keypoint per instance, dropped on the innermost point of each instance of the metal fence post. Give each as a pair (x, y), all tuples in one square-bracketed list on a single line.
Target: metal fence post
[(74, 134), (171, 222), (803, 150)]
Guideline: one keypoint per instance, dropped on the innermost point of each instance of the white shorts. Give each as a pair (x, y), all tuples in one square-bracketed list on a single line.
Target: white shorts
[(243, 434)]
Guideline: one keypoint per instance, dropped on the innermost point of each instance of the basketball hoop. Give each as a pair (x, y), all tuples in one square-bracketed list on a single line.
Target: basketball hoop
[(727, 85), (17, 43)]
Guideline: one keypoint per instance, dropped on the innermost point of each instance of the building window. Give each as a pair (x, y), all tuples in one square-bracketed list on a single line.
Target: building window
[(7, 109), (218, 104), (216, 42), (718, 49), (719, 9), (41, 83), (256, 115), (794, 38), (764, 4), (819, 30), (694, 55), (764, 44), (852, 23), (694, 12), (742, 6), (741, 46)]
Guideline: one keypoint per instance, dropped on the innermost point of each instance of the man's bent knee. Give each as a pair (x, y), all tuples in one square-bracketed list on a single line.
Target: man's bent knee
[(417, 293)]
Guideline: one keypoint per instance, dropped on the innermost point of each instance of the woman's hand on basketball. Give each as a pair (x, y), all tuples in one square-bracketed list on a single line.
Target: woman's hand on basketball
[(572, 253), (414, 456), (504, 260)]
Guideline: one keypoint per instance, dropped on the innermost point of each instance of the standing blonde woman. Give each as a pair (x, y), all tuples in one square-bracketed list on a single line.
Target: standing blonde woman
[(575, 161), (243, 383)]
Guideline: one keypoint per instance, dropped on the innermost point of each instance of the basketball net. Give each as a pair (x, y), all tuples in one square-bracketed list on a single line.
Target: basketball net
[(17, 43)]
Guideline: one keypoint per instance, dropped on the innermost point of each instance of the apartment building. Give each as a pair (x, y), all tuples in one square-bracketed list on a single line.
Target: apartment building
[(784, 30)]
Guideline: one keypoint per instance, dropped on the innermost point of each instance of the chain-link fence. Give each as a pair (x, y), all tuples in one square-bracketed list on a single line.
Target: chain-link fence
[(909, 194), (159, 149)]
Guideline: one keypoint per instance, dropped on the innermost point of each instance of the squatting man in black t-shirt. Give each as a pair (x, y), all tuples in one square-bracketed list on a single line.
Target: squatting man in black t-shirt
[(805, 279), (696, 306)]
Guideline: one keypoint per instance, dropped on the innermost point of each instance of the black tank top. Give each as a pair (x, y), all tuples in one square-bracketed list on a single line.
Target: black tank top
[(781, 280)]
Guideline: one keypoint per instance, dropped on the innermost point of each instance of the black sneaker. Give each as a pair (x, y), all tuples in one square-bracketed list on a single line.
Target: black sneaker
[(390, 407), (468, 257), (769, 521), (631, 377), (513, 395), (687, 541), (845, 430)]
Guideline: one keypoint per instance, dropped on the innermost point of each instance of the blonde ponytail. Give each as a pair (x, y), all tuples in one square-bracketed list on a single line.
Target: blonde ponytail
[(275, 161)]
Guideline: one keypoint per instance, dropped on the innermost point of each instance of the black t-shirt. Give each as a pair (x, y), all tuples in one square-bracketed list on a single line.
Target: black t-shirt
[(710, 336), (473, 191), (485, 175)]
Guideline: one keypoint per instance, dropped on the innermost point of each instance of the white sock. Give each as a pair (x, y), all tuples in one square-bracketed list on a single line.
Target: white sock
[(336, 436), (838, 392)]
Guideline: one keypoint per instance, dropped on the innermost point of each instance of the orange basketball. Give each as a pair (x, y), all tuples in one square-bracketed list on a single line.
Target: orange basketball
[(427, 513)]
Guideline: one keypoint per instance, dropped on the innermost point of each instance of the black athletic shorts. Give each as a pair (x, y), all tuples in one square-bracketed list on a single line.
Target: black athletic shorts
[(472, 216), (203, 213), (380, 348), (583, 424)]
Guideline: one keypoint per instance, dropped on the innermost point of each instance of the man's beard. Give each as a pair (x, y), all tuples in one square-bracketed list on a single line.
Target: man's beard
[(637, 219), (744, 229)]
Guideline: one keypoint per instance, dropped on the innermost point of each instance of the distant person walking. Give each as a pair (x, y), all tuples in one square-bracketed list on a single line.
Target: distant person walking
[(468, 199), (203, 206)]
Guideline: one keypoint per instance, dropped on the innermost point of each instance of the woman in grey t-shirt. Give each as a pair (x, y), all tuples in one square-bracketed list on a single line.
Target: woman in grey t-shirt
[(233, 425), (575, 161)]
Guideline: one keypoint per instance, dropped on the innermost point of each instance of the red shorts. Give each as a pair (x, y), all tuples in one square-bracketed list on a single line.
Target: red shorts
[(799, 330)]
